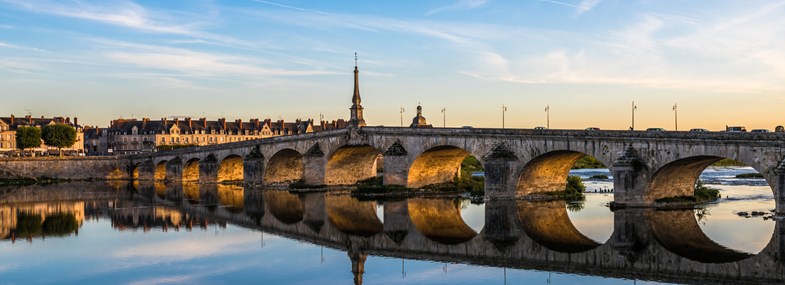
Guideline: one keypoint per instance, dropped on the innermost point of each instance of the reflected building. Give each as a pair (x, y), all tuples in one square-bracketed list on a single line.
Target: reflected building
[(646, 244)]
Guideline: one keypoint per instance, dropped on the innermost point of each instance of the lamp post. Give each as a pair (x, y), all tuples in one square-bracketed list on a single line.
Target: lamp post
[(632, 128), (402, 110), (504, 109), (675, 117), (444, 117), (547, 116)]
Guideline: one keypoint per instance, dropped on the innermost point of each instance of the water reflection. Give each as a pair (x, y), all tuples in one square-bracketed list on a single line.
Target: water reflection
[(667, 246)]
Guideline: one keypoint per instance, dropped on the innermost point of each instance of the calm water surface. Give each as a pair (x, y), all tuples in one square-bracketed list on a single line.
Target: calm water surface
[(228, 237)]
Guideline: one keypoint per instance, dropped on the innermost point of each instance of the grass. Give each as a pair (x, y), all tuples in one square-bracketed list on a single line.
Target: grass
[(728, 162), (572, 192)]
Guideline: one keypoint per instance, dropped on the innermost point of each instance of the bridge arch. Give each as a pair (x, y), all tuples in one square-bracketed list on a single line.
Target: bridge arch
[(231, 197), (678, 232), (286, 207), (440, 220), (286, 165), (677, 178), (160, 170), (231, 169), (351, 163), (353, 216), (548, 224), (548, 172), (191, 170), (438, 164)]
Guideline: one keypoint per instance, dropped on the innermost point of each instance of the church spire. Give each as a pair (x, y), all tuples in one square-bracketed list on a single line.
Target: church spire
[(356, 111)]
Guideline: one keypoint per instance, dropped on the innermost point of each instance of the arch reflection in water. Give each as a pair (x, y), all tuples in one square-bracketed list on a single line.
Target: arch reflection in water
[(352, 216), (549, 225), (440, 220), (506, 240)]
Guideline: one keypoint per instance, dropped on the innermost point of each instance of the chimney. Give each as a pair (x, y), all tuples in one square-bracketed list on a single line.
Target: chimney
[(204, 122), (144, 122), (29, 119), (163, 121), (76, 121), (188, 121), (12, 119), (255, 122), (222, 121), (176, 120), (68, 120), (239, 123)]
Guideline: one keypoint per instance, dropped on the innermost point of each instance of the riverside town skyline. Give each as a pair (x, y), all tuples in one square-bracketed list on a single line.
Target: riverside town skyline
[(721, 63)]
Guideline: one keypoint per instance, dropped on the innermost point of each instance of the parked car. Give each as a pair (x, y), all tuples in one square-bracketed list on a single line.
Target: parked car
[(699, 130), (540, 128), (592, 129), (655, 130), (759, 131), (737, 129)]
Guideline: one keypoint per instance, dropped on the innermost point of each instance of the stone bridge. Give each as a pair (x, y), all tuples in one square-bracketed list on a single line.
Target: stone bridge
[(645, 165)]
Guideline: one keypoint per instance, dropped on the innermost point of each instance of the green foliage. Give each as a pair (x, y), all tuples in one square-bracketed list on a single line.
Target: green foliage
[(575, 186), (573, 191), (749, 175), (588, 162), (728, 162), (58, 135), (466, 182), (164, 147), (705, 194), (28, 137), (600, 176), (60, 224), (28, 225), (575, 206)]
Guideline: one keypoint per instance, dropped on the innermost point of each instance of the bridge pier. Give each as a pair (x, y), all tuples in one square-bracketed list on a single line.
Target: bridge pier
[(174, 170), (631, 233), (253, 203), (315, 211), (174, 192), (313, 169), (208, 169), (500, 177), (629, 179), (145, 171), (396, 220), (502, 226), (253, 170), (779, 191), (396, 168)]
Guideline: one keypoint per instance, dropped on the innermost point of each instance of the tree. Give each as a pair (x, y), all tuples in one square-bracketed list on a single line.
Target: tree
[(28, 137), (59, 136)]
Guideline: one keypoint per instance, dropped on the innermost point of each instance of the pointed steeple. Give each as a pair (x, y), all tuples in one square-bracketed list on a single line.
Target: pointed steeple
[(356, 111)]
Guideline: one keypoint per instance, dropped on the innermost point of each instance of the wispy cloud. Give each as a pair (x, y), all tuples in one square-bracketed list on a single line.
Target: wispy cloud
[(13, 46), (580, 8), (460, 5), (586, 6), (128, 15)]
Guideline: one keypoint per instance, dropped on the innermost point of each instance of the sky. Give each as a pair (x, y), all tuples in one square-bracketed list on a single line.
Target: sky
[(721, 62)]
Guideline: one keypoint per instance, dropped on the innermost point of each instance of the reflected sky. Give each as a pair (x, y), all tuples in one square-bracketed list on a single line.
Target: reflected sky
[(102, 253)]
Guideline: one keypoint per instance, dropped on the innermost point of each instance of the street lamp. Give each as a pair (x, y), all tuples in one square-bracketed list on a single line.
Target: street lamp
[(444, 117), (504, 109), (402, 110), (675, 117), (632, 128), (547, 116)]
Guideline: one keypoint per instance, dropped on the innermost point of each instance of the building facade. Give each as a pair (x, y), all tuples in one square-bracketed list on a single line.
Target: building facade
[(9, 125), (133, 136)]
